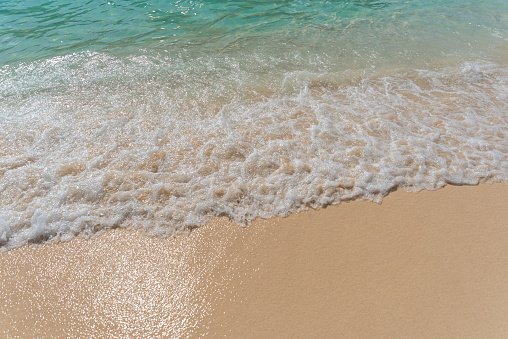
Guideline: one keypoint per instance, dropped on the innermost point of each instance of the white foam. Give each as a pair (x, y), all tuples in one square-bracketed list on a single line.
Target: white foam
[(88, 150)]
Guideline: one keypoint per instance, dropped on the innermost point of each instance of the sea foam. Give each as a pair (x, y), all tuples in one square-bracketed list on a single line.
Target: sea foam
[(91, 141)]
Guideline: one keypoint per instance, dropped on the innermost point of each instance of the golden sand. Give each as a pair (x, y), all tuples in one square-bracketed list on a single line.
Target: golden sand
[(431, 264)]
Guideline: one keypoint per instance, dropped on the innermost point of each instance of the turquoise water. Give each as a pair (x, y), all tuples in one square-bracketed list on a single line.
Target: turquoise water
[(161, 114), (34, 30)]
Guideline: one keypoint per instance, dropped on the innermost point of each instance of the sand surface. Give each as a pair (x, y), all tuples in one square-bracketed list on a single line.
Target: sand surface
[(428, 265)]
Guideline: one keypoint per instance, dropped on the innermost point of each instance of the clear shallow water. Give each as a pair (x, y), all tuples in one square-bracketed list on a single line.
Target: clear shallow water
[(161, 114)]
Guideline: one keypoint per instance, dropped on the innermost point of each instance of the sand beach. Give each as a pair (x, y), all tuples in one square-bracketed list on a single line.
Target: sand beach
[(174, 169), (422, 265)]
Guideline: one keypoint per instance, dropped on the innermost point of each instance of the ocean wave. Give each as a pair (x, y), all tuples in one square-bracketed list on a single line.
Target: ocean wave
[(150, 146)]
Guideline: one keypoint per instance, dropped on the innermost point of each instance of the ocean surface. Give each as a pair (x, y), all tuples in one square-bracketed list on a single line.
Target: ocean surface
[(161, 114)]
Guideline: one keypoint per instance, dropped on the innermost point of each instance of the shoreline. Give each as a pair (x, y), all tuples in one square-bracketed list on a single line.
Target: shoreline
[(424, 264)]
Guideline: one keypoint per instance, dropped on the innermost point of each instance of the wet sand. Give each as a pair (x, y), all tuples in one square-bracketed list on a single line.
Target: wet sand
[(428, 264)]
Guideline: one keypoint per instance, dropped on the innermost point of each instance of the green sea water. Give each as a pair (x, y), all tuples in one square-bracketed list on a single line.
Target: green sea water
[(35, 30), (161, 114)]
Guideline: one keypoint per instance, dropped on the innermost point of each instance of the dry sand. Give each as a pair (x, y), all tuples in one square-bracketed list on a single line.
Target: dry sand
[(432, 264)]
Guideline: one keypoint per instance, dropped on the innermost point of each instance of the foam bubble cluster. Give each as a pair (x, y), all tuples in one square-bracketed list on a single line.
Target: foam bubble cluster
[(87, 148)]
